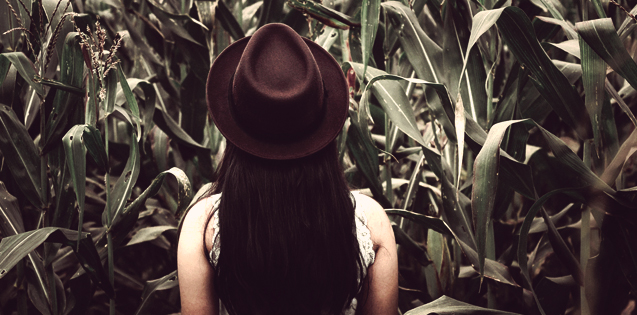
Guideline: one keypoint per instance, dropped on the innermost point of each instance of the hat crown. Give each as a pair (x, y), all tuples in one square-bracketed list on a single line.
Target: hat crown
[(277, 91)]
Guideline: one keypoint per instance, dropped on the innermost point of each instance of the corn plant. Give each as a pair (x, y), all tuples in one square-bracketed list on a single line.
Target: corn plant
[(498, 135)]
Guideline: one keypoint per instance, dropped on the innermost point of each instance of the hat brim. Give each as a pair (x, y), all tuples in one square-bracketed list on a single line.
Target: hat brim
[(336, 105)]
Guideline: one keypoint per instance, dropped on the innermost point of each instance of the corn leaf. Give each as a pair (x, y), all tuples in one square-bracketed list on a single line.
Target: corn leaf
[(10, 218), (429, 222), (228, 22), (366, 156), (130, 99), (485, 183), (517, 31), (149, 233), (20, 155), (184, 195), (173, 130), (166, 282), (124, 186), (414, 249), (448, 306), (5, 64), (370, 12), (76, 159), (422, 52), (523, 237), (470, 84), (601, 36), (111, 93), (26, 69), (594, 79), (11, 253), (325, 15)]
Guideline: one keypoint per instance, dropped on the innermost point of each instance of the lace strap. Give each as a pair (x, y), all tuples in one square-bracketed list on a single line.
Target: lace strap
[(214, 252), (364, 237)]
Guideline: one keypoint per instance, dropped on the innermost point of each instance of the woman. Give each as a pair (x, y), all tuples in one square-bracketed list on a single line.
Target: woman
[(281, 233)]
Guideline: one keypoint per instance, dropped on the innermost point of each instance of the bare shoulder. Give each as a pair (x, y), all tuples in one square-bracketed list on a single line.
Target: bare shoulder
[(196, 275), (377, 221), (197, 219)]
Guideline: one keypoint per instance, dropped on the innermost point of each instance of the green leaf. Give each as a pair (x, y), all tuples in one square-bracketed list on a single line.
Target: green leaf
[(429, 222), (228, 22), (566, 26), (150, 98), (448, 306), (599, 8), (523, 236), (177, 16), (124, 186), (166, 282), (5, 64), (26, 69), (111, 92), (366, 156), (571, 46), (620, 101), (517, 31), (562, 250), (413, 248), (149, 233), (370, 12), (327, 39), (593, 79), (15, 247), (472, 85), (10, 217), (92, 108), (550, 6), (323, 14), (149, 106), (76, 159), (64, 211), (601, 36), (11, 224), (486, 172), (395, 103), (193, 106), (20, 155), (422, 52), (160, 148), (393, 99), (482, 22), (173, 130), (617, 164), (62, 86), (168, 25), (627, 26), (130, 98), (139, 41), (183, 199), (485, 183), (95, 146)]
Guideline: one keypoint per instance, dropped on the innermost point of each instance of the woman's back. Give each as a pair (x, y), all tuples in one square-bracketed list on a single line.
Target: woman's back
[(363, 236), (196, 274)]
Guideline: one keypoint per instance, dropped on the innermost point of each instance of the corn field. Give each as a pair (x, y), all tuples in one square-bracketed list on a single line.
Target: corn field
[(498, 135)]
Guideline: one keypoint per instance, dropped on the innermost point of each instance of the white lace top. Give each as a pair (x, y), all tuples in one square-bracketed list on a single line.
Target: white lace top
[(362, 234)]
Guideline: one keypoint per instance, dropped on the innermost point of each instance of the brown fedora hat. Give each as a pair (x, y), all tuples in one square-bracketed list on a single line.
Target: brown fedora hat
[(277, 95)]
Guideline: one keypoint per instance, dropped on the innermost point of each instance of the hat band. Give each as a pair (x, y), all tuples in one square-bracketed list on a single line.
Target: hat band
[(277, 137)]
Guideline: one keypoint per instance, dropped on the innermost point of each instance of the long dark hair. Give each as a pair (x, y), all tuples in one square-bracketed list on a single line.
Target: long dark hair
[(287, 235)]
